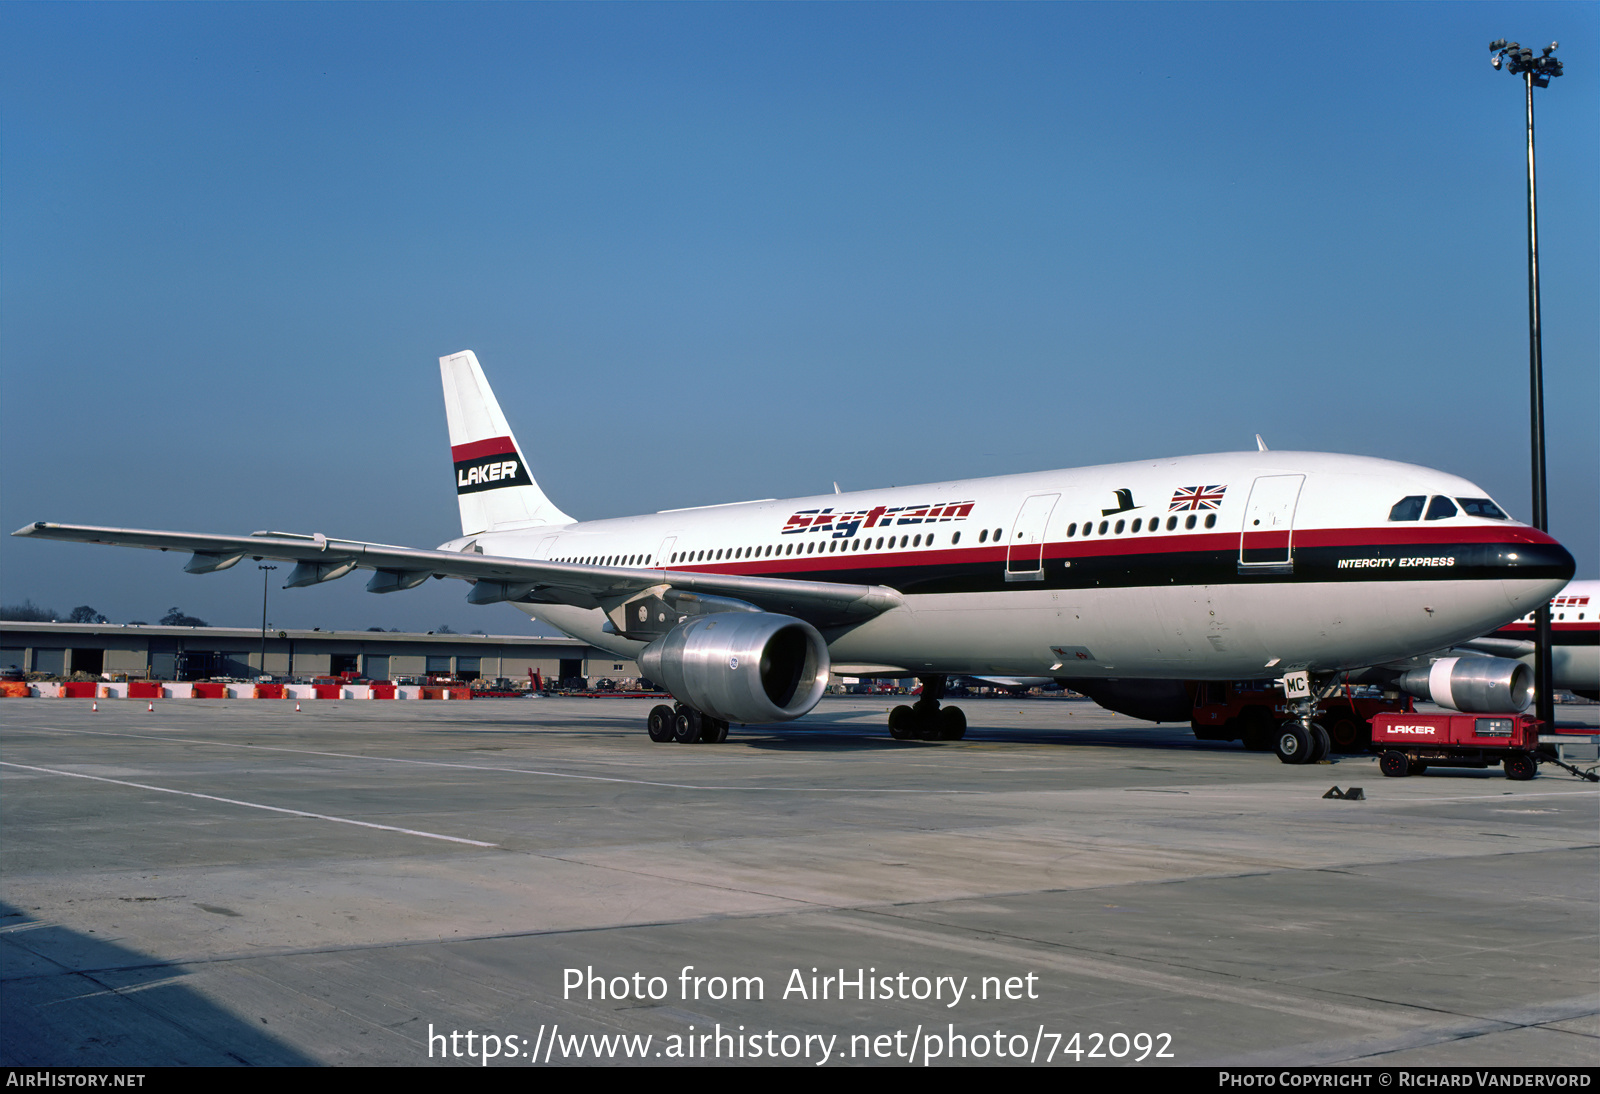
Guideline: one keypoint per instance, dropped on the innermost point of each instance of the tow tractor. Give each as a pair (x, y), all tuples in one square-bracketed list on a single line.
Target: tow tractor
[(1409, 743)]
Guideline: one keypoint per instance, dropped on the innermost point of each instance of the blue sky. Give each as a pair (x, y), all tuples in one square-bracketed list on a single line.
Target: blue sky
[(872, 243)]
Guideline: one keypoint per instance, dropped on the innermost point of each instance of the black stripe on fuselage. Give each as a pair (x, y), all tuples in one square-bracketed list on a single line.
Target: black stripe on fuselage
[(979, 571)]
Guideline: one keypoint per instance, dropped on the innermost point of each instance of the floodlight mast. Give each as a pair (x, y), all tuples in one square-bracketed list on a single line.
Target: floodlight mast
[(1535, 72)]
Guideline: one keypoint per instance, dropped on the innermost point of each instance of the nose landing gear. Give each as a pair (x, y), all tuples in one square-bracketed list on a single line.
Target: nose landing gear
[(926, 720), (1302, 739)]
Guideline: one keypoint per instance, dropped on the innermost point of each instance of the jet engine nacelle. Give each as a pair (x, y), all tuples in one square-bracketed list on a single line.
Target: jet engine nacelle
[(1473, 685), (745, 667)]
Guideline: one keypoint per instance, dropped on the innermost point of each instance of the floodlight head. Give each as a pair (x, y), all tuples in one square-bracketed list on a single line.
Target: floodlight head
[(1498, 43), (1495, 61)]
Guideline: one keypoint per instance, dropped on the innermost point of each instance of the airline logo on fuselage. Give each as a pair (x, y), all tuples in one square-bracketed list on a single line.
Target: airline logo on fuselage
[(844, 525), (1418, 731)]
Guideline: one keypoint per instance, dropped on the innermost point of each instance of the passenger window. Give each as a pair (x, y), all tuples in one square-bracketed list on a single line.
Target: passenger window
[(983, 536), (1172, 522), (904, 540), (1407, 508), (1189, 523), (1482, 507), (1103, 526), (1072, 530), (1441, 508), (917, 542), (997, 535), (955, 539), (1119, 527), (1137, 524), (1211, 520)]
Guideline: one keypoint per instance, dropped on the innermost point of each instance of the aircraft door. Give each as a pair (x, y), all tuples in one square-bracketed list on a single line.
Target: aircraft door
[(1266, 541), (1025, 548), (664, 552)]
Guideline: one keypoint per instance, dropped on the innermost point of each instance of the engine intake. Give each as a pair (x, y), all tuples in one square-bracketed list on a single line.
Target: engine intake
[(1473, 685), (744, 667)]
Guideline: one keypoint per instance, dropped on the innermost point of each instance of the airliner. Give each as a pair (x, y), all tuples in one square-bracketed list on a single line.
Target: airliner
[(1574, 639), (1299, 566)]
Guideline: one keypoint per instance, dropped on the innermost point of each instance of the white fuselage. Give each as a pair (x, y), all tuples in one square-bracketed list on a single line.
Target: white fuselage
[(1227, 566)]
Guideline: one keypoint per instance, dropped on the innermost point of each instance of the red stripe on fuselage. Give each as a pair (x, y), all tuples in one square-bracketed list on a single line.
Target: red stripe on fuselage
[(1108, 546), (477, 450)]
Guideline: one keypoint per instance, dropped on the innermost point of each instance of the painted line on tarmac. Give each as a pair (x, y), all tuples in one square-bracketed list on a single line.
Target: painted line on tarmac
[(508, 770), (253, 805)]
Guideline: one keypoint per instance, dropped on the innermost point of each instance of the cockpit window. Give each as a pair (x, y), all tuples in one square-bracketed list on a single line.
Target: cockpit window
[(1441, 508), (1409, 508), (1482, 507)]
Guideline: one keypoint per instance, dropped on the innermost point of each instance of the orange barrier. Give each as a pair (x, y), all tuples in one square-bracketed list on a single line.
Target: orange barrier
[(13, 690)]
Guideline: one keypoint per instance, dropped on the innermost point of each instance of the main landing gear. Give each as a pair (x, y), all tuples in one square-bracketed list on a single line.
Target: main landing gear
[(926, 720), (685, 725)]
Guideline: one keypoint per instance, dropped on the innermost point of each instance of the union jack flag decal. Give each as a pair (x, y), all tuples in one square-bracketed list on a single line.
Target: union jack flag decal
[(1197, 497)]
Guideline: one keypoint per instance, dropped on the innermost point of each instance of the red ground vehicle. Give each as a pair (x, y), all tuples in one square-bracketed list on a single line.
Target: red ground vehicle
[(1409, 743), (1250, 711)]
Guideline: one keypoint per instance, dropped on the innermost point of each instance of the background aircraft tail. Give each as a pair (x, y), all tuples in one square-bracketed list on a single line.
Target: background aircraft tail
[(493, 484)]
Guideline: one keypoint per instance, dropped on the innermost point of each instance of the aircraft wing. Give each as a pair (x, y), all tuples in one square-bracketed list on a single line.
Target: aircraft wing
[(495, 578)]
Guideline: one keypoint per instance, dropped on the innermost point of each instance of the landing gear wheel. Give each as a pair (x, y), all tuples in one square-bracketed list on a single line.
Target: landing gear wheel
[(1520, 766), (1417, 767), (713, 731), (902, 723), (1395, 765), (1292, 744), (1349, 735), (661, 723), (687, 727), (927, 722), (952, 724), (1320, 745)]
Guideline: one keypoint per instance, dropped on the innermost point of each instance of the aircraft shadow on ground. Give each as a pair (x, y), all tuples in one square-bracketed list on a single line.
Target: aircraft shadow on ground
[(68, 999)]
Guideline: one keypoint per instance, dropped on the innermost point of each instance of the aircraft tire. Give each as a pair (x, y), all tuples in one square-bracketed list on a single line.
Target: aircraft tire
[(1520, 766), (713, 731), (1292, 744), (1394, 765), (902, 723), (1321, 744), (952, 724), (662, 723), (687, 727)]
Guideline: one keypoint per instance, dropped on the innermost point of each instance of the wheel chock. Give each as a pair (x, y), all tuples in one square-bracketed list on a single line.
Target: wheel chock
[(1354, 794)]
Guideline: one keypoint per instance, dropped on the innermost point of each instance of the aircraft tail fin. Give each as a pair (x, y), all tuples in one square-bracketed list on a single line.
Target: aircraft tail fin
[(494, 487)]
